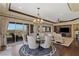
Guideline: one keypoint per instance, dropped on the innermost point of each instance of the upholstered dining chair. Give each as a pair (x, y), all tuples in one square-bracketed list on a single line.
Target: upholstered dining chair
[(47, 42), (54, 36), (59, 38), (32, 42), (24, 39), (41, 36), (51, 36)]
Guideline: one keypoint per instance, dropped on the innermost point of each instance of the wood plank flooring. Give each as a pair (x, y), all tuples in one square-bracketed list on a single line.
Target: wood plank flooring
[(72, 50)]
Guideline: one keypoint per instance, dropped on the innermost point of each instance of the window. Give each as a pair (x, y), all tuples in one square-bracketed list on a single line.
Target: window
[(15, 30), (17, 26), (46, 29), (11, 26)]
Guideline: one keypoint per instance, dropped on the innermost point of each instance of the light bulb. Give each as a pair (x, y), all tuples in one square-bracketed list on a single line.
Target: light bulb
[(38, 20), (34, 20), (42, 20)]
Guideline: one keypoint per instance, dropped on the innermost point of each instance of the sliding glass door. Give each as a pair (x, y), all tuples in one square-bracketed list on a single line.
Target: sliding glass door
[(15, 31)]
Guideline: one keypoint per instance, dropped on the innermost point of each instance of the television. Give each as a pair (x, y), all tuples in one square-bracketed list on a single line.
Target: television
[(64, 30)]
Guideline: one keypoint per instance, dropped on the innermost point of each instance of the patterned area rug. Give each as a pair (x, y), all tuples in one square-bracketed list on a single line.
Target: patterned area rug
[(26, 51)]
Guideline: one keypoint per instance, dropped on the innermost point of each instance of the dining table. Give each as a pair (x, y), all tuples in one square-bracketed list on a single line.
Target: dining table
[(39, 41)]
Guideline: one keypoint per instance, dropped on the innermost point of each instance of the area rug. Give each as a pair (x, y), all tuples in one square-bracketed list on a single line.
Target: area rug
[(26, 51)]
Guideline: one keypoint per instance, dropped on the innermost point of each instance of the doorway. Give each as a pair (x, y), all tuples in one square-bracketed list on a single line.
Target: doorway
[(15, 31)]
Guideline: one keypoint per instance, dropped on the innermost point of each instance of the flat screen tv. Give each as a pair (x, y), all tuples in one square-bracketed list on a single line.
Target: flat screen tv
[(65, 30)]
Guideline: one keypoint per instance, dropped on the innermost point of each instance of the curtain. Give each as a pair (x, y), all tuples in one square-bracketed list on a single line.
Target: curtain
[(3, 28)]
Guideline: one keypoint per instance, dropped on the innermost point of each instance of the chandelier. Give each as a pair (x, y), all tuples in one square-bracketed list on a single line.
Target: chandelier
[(38, 19)]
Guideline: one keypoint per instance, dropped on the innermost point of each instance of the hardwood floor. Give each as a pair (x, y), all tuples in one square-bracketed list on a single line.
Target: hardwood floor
[(72, 50)]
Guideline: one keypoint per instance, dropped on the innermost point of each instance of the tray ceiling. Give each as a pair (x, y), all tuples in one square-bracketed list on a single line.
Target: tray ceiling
[(48, 11)]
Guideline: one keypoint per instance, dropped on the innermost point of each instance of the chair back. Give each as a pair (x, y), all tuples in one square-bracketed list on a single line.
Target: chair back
[(41, 36), (24, 39), (59, 38), (47, 42), (32, 42)]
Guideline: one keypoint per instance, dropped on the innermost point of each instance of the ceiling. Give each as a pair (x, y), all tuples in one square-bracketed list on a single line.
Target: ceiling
[(49, 11), (74, 7)]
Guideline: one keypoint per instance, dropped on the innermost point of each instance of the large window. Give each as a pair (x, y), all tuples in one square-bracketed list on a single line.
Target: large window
[(15, 31), (46, 28), (17, 26), (11, 26)]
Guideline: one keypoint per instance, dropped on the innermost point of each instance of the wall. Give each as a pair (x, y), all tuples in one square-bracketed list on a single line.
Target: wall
[(4, 24), (67, 23), (31, 22), (74, 26)]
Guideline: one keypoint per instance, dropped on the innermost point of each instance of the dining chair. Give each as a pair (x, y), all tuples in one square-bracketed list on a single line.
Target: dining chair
[(24, 39), (41, 36), (32, 42), (58, 37), (47, 42)]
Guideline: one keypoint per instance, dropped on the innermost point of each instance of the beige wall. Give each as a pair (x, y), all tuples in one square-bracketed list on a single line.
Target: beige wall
[(67, 23), (35, 25), (4, 24), (74, 25)]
